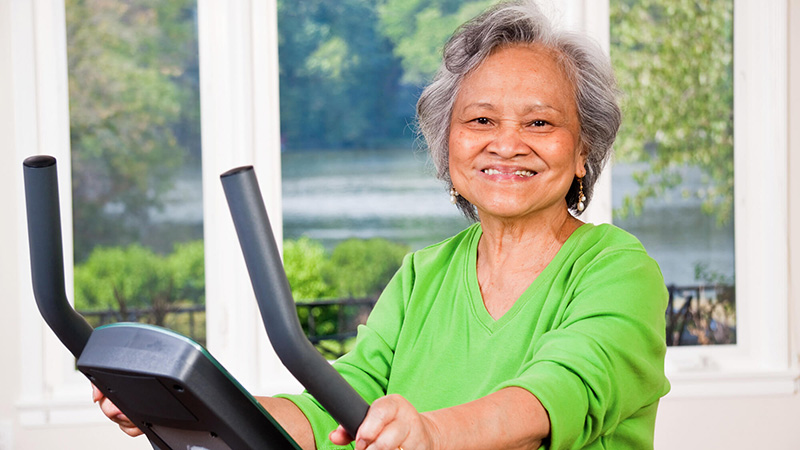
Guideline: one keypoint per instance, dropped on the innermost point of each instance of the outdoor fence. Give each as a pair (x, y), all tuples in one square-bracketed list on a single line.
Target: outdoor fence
[(329, 324), (701, 315), (187, 320), (696, 315)]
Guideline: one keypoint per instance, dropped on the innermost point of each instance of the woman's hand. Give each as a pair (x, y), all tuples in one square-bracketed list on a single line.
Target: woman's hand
[(391, 423), (112, 412)]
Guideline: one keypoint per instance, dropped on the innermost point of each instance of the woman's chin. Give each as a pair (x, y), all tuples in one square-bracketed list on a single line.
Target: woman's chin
[(518, 211)]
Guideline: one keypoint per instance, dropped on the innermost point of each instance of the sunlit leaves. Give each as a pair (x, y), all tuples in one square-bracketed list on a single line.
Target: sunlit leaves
[(673, 59), (131, 95), (419, 29)]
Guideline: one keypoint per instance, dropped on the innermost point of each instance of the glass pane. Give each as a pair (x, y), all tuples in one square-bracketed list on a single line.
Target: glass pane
[(673, 174), (356, 194), (135, 137)]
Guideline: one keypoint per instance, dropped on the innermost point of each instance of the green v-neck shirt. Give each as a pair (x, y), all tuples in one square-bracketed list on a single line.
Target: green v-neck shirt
[(586, 338)]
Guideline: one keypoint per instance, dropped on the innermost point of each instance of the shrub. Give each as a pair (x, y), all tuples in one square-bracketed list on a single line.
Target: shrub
[(135, 277), (361, 268)]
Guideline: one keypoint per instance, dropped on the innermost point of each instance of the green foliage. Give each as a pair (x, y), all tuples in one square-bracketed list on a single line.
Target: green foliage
[(361, 268), (674, 63), (186, 266), (704, 274), (419, 29), (304, 261), (356, 268), (134, 111), (339, 80), (124, 278)]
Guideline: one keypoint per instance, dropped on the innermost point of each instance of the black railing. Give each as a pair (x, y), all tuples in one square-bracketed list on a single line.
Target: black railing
[(701, 315), (331, 325), (188, 320), (696, 315)]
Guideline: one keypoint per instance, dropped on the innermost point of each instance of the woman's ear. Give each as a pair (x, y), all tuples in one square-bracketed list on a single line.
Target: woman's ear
[(580, 161), (580, 164)]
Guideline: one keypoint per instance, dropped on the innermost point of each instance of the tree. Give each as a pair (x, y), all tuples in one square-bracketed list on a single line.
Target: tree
[(339, 79), (419, 29), (132, 84), (674, 59)]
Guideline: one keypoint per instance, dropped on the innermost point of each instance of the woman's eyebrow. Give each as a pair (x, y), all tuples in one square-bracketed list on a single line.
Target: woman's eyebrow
[(540, 107), (532, 108), (480, 105)]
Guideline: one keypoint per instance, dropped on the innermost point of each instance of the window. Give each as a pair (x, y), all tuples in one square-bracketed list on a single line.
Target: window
[(356, 194), (673, 174), (744, 298), (758, 361), (136, 172), (238, 85)]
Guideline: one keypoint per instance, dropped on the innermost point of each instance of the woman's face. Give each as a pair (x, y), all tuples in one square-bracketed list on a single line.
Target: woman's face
[(514, 135)]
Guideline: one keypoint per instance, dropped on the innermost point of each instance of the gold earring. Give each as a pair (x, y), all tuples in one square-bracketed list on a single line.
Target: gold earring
[(581, 197), (453, 195)]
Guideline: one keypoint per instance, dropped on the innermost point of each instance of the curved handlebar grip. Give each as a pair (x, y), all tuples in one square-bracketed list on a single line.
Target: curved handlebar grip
[(47, 257), (278, 310)]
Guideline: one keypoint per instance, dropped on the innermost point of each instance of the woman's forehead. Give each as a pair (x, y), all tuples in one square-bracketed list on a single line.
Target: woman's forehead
[(521, 72)]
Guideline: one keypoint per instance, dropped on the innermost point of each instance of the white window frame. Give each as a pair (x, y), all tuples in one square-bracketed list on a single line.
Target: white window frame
[(761, 362), (53, 392), (240, 125)]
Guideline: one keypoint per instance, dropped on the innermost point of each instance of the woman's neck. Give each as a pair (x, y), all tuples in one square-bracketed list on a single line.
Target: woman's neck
[(523, 238), (511, 254)]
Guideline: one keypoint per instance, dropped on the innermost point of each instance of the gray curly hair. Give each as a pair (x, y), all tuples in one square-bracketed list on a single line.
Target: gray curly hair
[(521, 22)]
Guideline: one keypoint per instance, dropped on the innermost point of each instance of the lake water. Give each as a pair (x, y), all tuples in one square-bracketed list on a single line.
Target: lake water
[(332, 196)]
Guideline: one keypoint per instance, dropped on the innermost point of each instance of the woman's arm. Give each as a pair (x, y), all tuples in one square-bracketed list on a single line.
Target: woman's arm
[(291, 419), (511, 418)]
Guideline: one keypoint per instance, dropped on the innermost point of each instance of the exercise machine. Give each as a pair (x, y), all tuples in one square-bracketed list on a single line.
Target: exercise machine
[(170, 386)]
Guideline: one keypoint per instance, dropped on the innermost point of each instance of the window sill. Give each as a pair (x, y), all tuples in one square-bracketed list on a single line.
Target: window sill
[(733, 383), (67, 411)]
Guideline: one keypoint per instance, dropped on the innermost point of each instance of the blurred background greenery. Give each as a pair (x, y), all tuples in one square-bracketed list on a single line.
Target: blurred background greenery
[(350, 73)]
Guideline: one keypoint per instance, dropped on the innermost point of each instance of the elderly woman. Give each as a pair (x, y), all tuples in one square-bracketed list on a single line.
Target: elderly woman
[(530, 327)]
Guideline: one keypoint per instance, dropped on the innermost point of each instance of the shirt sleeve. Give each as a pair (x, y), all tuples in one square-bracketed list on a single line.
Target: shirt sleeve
[(368, 365), (604, 362)]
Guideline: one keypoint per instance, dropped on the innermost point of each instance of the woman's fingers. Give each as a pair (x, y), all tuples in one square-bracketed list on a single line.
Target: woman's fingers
[(112, 412), (391, 423), (380, 414), (340, 437), (96, 394)]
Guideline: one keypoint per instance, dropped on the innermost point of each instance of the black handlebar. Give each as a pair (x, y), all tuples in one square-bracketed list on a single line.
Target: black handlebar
[(47, 258), (278, 310)]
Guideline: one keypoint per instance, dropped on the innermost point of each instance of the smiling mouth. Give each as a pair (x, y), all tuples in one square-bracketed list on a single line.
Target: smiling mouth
[(519, 173)]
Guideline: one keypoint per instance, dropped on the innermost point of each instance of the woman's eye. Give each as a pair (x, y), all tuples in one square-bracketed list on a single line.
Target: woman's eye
[(539, 123), (482, 120)]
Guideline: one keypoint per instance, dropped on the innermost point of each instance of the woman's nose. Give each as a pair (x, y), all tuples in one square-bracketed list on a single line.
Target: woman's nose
[(508, 142)]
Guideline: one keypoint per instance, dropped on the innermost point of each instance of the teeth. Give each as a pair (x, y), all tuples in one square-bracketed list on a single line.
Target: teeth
[(519, 173)]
